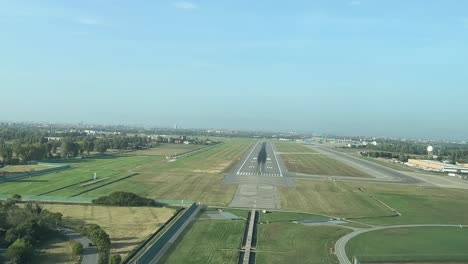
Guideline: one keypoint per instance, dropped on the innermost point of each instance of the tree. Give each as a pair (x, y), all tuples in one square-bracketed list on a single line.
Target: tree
[(21, 251), (17, 197), (116, 259), (76, 248), (101, 146), (65, 148)]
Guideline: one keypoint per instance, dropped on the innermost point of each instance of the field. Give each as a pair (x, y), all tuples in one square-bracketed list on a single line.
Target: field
[(292, 147), (208, 241), (126, 226), (301, 159), (275, 216), (166, 149), (23, 168), (294, 243), (332, 198), (417, 204), (412, 244), (196, 177), (55, 250)]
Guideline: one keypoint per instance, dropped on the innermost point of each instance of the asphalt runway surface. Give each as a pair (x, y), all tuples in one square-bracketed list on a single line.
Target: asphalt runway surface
[(258, 182), (380, 172), (251, 166)]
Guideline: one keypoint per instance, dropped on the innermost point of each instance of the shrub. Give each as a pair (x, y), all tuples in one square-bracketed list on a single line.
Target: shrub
[(21, 251), (116, 259), (125, 199), (76, 248)]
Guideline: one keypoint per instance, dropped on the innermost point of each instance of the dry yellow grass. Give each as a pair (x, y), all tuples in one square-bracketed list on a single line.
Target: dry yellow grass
[(126, 226), (56, 250)]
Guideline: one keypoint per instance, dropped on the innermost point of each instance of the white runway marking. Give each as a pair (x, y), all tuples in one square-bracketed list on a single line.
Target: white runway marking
[(276, 158), (248, 156)]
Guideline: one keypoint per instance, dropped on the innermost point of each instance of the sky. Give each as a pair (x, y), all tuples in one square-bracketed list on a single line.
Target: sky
[(351, 67)]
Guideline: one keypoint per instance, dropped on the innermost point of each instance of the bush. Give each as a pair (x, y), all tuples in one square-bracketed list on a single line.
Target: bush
[(101, 239), (116, 259), (21, 251), (125, 199), (76, 248), (16, 197)]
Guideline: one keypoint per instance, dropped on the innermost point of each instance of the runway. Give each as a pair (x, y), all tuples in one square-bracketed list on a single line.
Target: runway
[(258, 181), (251, 165)]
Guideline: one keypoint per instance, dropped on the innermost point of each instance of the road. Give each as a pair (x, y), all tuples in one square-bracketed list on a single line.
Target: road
[(90, 253), (340, 245)]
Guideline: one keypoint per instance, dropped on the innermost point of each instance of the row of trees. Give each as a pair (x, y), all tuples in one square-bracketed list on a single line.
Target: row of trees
[(388, 155), (101, 239), (400, 147), (22, 228), (21, 151)]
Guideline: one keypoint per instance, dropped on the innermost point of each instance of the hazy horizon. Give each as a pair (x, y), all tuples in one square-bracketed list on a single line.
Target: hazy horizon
[(343, 67)]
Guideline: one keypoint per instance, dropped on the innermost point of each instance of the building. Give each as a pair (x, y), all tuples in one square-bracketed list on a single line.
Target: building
[(437, 166)]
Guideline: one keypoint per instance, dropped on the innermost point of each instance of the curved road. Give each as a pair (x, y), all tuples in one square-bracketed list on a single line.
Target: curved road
[(340, 245), (90, 253)]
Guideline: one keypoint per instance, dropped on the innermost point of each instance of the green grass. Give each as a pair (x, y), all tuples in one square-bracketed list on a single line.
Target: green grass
[(208, 242), (292, 147), (302, 159), (196, 177), (319, 164), (412, 244), (294, 243), (82, 171), (418, 204), (276, 216), (165, 149), (24, 168), (332, 198), (389, 164)]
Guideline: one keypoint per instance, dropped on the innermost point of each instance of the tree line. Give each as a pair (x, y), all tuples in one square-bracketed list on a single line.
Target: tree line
[(23, 228)]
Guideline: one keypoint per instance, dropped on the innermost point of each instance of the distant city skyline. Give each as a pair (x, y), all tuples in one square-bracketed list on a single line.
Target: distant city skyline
[(341, 67)]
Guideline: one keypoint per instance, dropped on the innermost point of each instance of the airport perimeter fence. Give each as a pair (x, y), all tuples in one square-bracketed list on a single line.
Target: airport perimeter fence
[(160, 243)]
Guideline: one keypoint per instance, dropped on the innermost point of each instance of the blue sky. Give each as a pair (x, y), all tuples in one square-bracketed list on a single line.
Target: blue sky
[(394, 68)]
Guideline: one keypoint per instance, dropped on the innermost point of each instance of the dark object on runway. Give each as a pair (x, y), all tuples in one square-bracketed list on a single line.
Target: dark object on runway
[(262, 155)]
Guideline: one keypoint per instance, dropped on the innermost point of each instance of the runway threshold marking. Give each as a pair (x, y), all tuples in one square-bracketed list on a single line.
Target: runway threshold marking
[(248, 156)]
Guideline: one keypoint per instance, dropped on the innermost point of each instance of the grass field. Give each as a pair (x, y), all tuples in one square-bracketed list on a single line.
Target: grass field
[(275, 216), (23, 168), (412, 244), (292, 147), (391, 165), (209, 242), (294, 243), (196, 177), (417, 204), (55, 250), (126, 226), (166, 149), (319, 164), (330, 198), (301, 159)]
